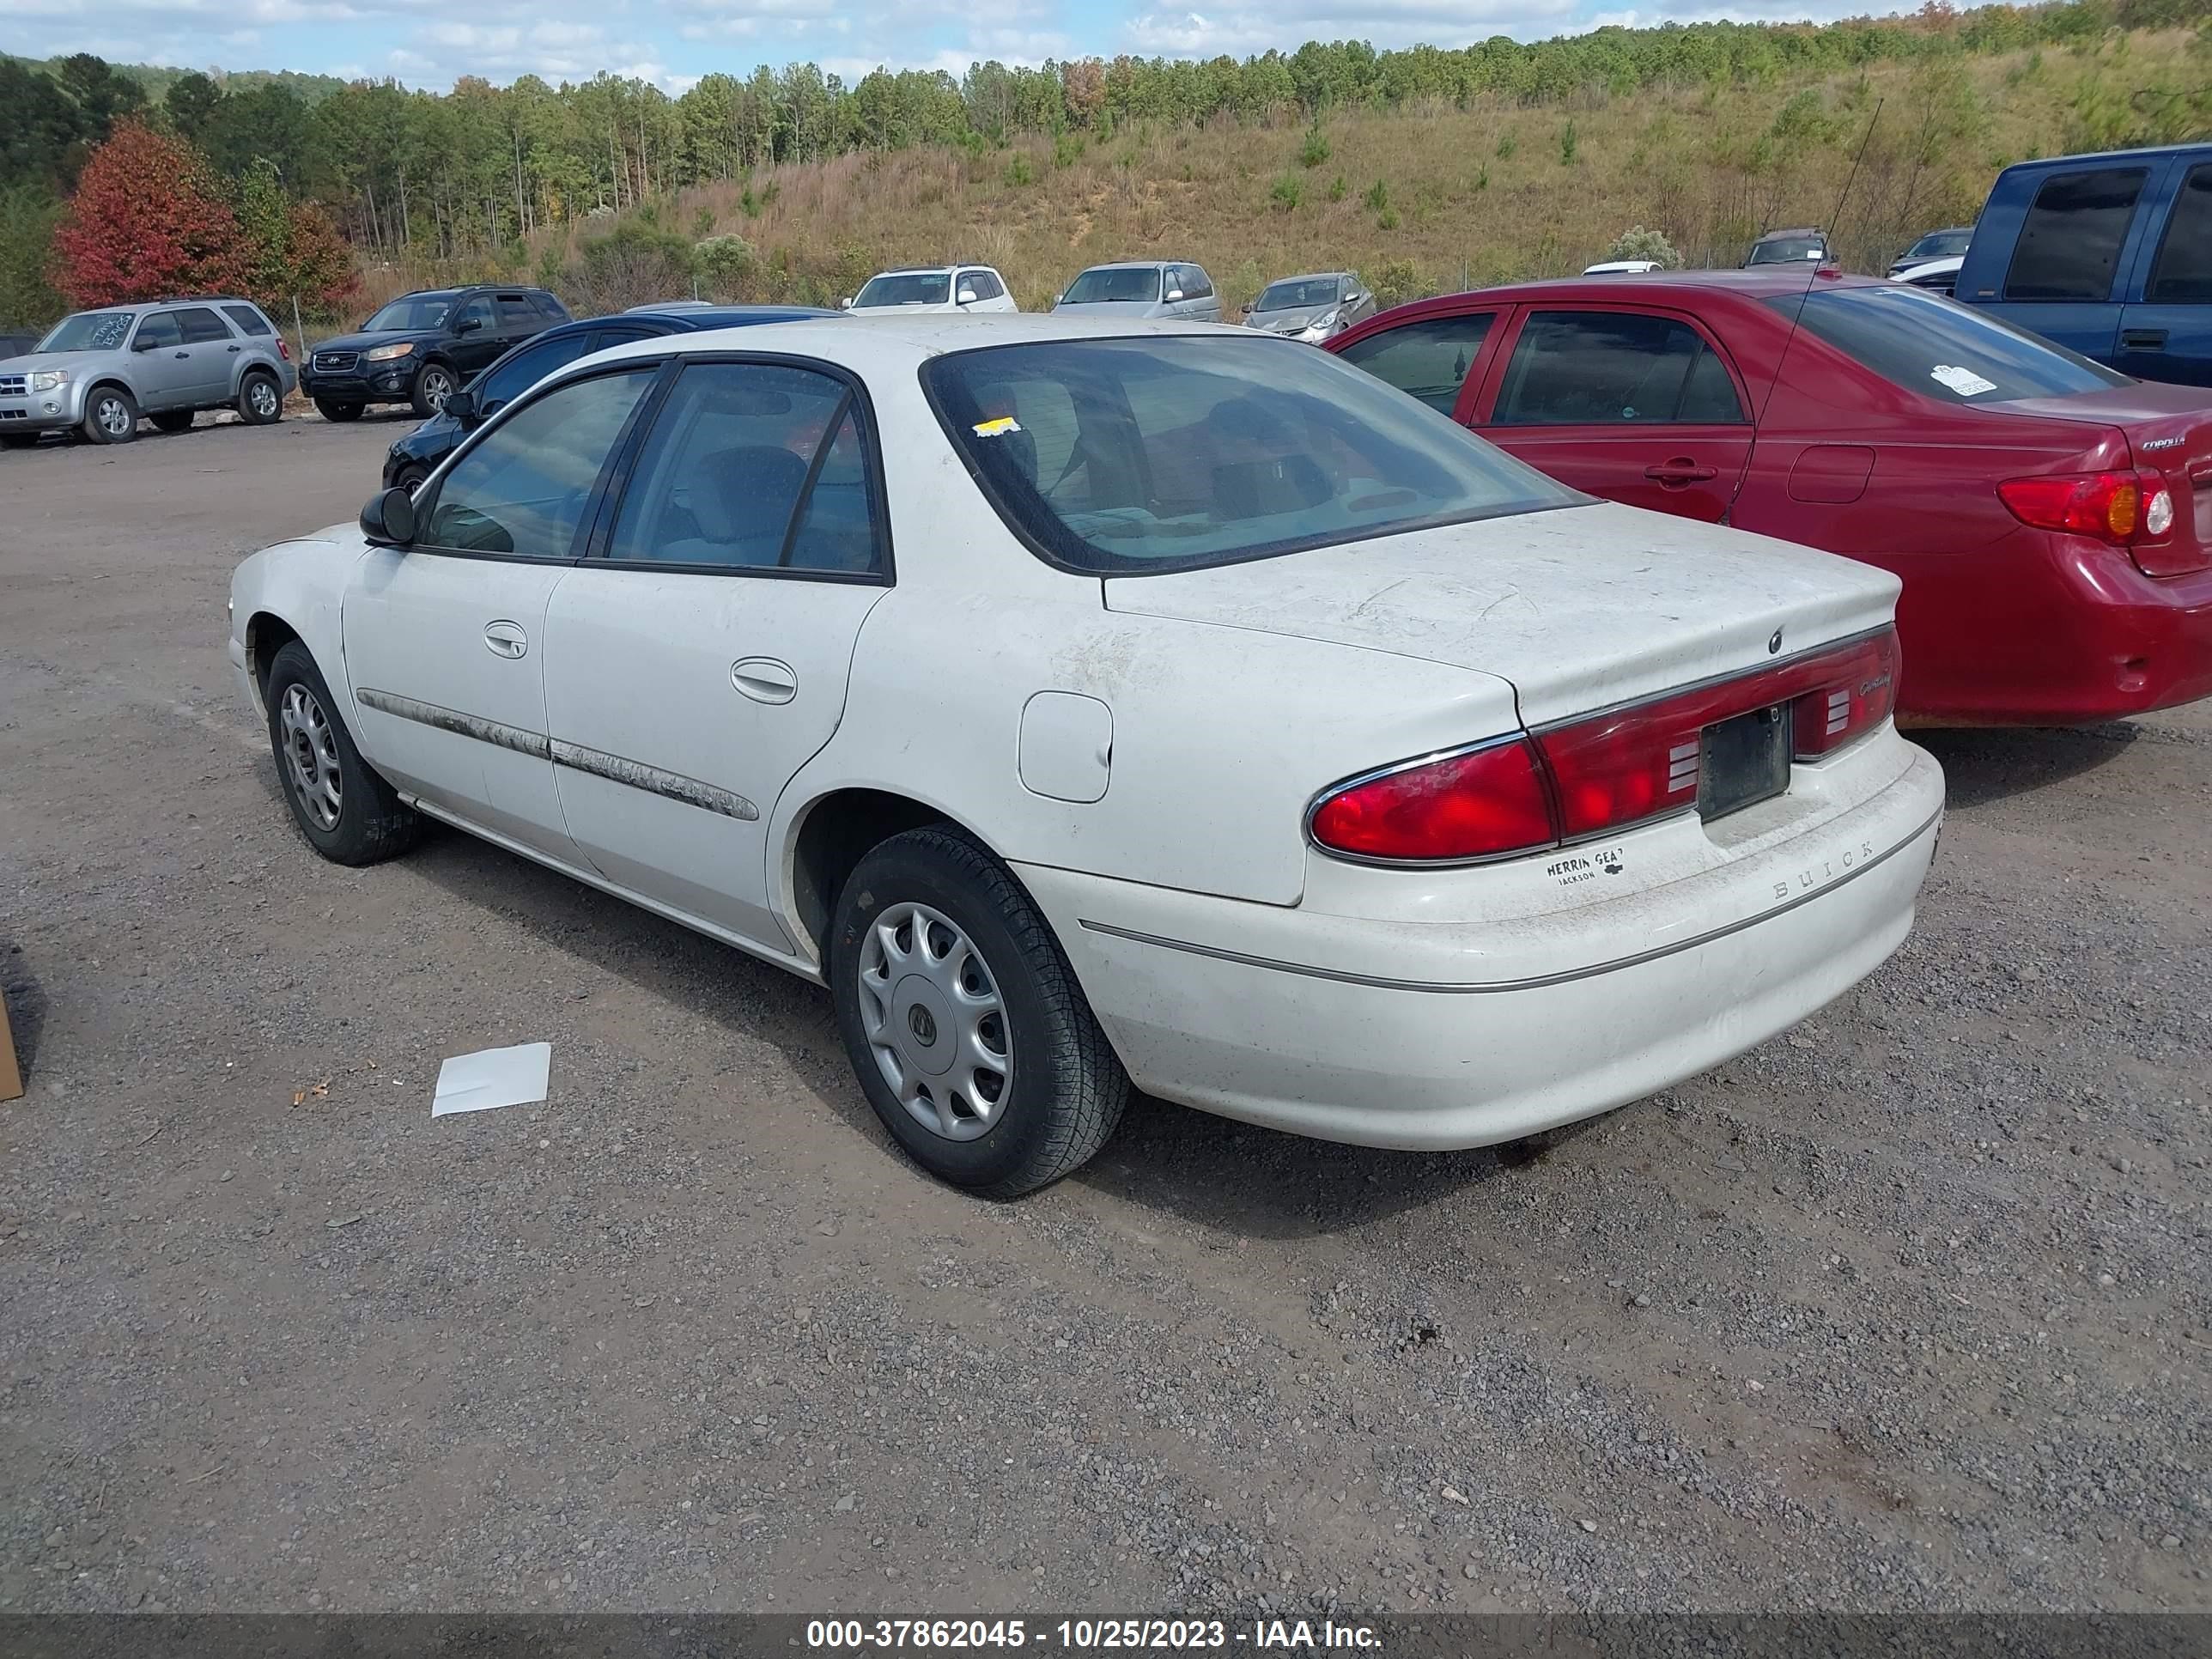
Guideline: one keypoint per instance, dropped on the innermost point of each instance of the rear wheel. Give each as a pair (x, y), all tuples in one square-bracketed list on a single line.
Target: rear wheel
[(110, 416), (334, 411), (434, 384), (970, 1037), (347, 813), (259, 401), (174, 420)]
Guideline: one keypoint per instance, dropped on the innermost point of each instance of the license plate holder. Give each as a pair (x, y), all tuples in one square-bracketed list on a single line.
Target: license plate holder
[(1744, 760)]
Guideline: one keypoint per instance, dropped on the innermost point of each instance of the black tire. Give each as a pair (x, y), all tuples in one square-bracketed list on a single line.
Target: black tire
[(340, 412), (110, 416), (18, 440), (410, 478), (370, 822), (172, 420), (434, 383), (1067, 1089), (260, 399)]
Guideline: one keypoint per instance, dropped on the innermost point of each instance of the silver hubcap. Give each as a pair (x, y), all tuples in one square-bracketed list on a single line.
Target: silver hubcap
[(113, 417), (436, 388), (263, 396), (934, 1021), (311, 756)]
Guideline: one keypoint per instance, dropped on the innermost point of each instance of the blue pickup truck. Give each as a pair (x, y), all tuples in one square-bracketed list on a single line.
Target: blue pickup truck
[(2111, 255)]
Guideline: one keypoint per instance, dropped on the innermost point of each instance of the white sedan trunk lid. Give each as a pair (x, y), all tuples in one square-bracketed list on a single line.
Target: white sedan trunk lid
[(1580, 607)]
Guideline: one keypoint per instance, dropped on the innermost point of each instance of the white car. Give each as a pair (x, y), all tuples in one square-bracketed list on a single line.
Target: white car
[(1091, 704), (1622, 268), (944, 288), (1938, 276)]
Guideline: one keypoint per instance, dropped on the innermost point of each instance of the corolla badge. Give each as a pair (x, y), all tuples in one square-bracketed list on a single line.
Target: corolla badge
[(2160, 443)]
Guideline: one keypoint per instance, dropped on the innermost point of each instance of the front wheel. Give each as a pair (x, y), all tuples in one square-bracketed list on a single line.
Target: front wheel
[(434, 384), (110, 416), (970, 1037), (347, 813), (409, 478)]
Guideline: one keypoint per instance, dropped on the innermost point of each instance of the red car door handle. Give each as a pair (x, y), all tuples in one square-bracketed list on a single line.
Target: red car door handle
[(1682, 470)]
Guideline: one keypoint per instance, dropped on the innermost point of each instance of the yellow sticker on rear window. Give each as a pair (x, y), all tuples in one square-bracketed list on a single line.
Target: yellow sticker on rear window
[(997, 428)]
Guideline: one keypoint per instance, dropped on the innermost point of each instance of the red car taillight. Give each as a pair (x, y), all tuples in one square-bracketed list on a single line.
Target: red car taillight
[(2113, 506), (1603, 773), (1475, 806), (284, 351)]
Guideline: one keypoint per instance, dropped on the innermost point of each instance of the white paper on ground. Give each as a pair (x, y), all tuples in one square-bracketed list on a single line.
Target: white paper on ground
[(492, 1077)]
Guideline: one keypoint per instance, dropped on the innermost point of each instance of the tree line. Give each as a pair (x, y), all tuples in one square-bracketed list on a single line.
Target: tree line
[(412, 175)]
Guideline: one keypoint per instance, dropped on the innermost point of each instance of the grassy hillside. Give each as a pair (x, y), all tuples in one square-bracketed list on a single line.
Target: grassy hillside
[(1432, 196)]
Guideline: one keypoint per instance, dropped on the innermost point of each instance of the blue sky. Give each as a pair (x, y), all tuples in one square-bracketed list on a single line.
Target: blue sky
[(427, 43)]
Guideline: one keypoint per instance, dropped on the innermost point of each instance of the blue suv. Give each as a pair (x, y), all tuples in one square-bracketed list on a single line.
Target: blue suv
[(415, 456), (2110, 255)]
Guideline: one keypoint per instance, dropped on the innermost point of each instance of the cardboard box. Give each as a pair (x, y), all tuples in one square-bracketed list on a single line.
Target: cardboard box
[(11, 1079)]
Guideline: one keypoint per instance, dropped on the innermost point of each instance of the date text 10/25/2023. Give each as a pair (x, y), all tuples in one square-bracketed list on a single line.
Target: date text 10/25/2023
[(1086, 1635)]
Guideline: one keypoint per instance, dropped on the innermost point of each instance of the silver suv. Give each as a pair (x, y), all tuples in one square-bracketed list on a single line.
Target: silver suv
[(99, 371)]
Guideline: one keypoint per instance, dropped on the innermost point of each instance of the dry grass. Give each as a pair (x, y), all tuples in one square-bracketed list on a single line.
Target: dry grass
[(1472, 195)]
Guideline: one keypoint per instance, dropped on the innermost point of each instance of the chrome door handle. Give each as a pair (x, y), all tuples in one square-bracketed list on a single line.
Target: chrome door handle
[(764, 679), (506, 639)]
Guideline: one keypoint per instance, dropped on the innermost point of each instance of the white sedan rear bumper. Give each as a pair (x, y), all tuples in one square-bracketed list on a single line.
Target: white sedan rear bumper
[(1431, 1036)]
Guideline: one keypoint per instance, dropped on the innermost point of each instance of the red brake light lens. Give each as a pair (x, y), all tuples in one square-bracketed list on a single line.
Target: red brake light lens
[(284, 351), (2109, 506), (1604, 773), (1474, 805)]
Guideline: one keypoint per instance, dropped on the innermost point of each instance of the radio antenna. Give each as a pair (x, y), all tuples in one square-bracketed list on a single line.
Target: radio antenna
[(1827, 235)]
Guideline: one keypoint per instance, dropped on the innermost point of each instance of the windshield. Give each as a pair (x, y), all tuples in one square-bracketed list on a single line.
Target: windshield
[(410, 312), (1938, 244), (1300, 294), (1940, 349), (1132, 457), (1781, 250), (1137, 284), (89, 331), (923, 288)]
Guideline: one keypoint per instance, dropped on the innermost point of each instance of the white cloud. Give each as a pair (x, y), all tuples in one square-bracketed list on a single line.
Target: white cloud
[(1242, 31)]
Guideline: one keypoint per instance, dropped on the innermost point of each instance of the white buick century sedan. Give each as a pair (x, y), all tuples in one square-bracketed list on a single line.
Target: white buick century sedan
[(1095, 705)]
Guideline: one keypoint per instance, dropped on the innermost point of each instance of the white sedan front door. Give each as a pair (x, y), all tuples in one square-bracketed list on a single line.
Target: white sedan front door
[(699, 657), (444, 638)]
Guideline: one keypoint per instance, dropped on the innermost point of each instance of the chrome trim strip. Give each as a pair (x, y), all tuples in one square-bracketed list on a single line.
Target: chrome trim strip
[(533, 744), (1535, 983), (615, 768), (1841, 642)]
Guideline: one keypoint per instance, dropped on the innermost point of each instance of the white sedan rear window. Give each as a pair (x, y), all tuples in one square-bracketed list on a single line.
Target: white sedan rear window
[(1127, 457)]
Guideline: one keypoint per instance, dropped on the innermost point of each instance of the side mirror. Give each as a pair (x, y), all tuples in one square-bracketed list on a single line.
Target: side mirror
[(388, 520), (144, 344), (462, 406), (965, 297), (1174, 294), (845, 304), (1060, 297), (468, 324), (1244, 310)]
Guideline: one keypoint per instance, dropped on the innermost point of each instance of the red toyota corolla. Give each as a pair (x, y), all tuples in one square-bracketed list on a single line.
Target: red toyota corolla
[(2052, 519)]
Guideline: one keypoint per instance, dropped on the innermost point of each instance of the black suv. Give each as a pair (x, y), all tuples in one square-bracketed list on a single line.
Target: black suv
[(420, 347)]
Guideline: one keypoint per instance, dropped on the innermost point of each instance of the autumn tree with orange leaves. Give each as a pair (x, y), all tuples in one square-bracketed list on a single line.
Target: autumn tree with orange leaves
[(149, 218)]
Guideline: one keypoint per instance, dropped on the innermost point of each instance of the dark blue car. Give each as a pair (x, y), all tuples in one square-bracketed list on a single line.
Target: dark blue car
[(415, 457), (2110, 255)]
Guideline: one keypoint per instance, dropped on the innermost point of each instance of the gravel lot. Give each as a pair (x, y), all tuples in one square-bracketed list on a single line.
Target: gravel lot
[(1907, 1310)]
